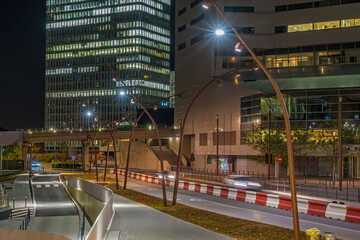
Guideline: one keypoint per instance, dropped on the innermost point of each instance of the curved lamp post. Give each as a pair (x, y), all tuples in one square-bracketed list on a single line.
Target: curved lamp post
[(117, 78), (182, 126), (132, 133), (206, 5)]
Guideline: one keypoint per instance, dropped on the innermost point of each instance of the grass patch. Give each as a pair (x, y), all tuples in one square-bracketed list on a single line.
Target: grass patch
[(229, 226)]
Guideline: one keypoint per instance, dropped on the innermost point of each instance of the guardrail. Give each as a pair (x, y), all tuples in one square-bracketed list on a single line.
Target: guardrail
[(101, 226)]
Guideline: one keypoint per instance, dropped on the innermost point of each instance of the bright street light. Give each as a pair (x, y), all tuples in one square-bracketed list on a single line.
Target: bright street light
[(89, 113), (219, 32), (122, 93)]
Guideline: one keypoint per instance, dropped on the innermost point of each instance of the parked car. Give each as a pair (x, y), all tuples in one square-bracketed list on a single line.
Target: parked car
[(242, 182), (167, 174)]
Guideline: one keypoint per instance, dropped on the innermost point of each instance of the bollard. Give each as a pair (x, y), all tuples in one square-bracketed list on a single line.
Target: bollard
[(347, 191), (299, 188), (25, 201), (28, 214), (13, 202), (23, 225), (277, 185), (358, 195)]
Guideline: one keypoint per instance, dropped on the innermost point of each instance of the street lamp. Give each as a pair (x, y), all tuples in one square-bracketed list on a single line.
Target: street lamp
[(219, 32), (286, 120)]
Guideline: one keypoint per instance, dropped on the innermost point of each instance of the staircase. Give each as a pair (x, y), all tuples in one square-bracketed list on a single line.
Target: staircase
[(167, 154)]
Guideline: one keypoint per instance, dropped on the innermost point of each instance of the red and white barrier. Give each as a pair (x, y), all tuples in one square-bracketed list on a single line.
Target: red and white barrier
[(322, 209)]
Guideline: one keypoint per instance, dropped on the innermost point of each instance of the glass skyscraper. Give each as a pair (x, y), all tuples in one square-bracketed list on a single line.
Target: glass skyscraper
[(85, 40)]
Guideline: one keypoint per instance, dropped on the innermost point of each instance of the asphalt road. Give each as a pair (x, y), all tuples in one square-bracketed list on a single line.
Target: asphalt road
[(51, 198), (258, 213)]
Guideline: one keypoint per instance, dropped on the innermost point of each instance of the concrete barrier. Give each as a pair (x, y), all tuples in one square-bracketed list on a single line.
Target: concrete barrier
[(336, 211), (250, 197), (284, 203), (317, 208), (272, 200), (261, 198), (353, 214), (303, 205)]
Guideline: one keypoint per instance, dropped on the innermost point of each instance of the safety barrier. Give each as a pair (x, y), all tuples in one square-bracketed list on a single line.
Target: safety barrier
[(322, 209), (102, 223)]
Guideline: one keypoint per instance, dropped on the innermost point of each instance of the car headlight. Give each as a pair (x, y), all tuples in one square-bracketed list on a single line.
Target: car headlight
[(171, 176)]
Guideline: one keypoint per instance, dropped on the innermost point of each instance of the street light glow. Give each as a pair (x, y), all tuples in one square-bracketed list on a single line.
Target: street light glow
[(219, 32), (89, 113), (206, 4), (122, 93)]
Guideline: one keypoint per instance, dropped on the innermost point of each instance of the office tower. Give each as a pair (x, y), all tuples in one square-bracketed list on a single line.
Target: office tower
[(85, 40), (311, 48)]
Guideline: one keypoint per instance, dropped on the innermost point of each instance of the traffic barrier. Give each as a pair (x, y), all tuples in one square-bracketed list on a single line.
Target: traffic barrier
[(217, 191), (353, 214), (210, 190), (272, 200), (303, 205), (261, 198), (191, 186), (241, 195), (317, 208), (224, 192), (203, 188), (336, 211), (250, 197), (232, 193), (284, 203), (322, 209)]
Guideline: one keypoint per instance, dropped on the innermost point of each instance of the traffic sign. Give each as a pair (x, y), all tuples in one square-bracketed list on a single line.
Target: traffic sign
[(279, 159), (73, 158)]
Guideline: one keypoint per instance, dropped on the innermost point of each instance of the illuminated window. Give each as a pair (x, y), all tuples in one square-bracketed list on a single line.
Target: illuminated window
[(348, 23), (327, 25), (357, 22), (300, 27)]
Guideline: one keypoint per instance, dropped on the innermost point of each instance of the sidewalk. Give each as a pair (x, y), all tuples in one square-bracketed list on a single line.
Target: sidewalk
[(133, 220)]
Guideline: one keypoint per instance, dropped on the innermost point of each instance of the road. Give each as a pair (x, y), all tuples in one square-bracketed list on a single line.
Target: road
[(55, 212), (258, 213)]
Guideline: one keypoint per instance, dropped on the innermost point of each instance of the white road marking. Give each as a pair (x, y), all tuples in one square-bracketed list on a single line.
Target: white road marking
[(38, 186), (56, 185), (47, 185)]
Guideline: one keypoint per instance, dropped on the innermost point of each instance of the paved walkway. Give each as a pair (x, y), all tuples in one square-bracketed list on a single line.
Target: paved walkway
[(133, 220)]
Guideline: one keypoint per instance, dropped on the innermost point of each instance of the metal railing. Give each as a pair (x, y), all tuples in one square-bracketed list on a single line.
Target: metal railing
[(317, 187), (101, 226)]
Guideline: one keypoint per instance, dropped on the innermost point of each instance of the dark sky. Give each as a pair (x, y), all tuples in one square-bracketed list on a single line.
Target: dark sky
[(22, 62)]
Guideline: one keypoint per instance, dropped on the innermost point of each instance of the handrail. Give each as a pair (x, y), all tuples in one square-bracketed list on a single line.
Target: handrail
[(101, 226)]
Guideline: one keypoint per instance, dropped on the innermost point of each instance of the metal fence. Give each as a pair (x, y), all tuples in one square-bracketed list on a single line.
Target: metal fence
[(317, 187)]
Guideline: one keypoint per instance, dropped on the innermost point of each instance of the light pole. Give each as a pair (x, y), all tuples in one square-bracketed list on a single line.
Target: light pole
[(334, 161), (340, 141), (117, 78), (183, 122), (217, 144), (295, 213)]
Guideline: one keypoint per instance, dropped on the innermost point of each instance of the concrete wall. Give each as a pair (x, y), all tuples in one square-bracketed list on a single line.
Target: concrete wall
[(141, 157)]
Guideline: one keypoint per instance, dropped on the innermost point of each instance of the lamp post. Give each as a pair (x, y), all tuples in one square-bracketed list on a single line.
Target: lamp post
[(217, 144), (183, 122), (340, 141), (334, 161), (156, 129), (295, 213)]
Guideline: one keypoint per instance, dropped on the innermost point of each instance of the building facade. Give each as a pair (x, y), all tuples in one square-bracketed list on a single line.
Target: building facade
[(312, 48), (86, 41)]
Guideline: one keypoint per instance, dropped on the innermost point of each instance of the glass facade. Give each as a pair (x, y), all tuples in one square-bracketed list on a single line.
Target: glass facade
[(85, 40), (308, 109), (302, 56)]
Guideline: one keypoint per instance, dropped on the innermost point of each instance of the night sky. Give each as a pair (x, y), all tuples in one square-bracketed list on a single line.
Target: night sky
[(22, 64), (22, 73)]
